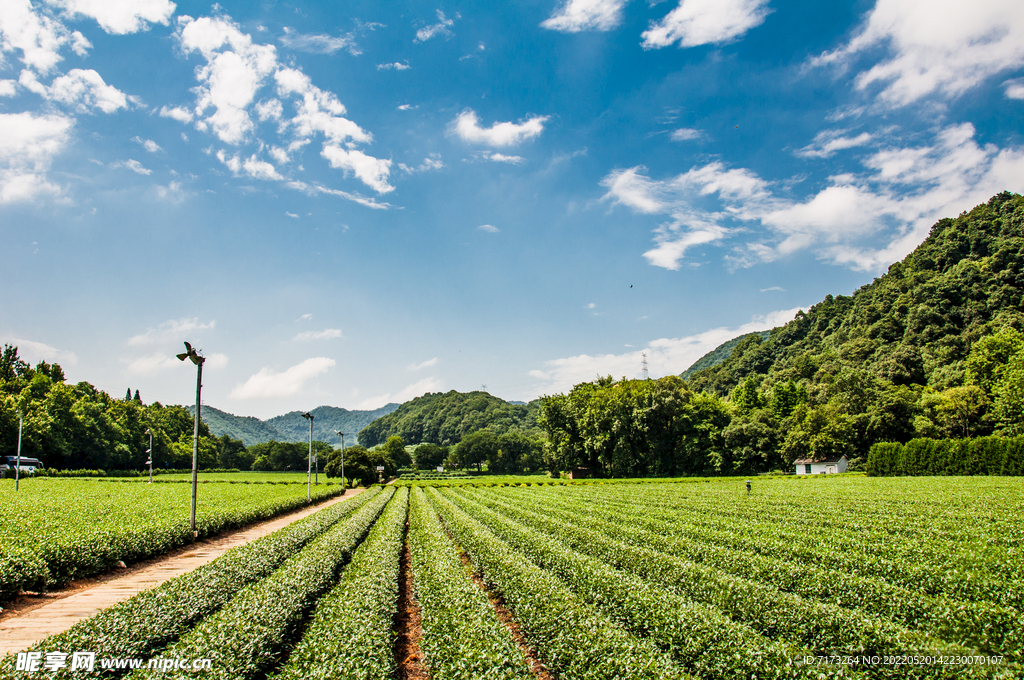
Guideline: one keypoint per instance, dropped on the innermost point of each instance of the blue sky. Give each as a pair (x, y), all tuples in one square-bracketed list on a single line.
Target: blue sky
[(355, 203)]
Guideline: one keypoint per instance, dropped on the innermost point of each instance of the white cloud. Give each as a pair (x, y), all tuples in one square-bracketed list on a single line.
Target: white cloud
[(502, 158), (318, 111), (433, 162), (306, 317), (586, 15), (8, 88), (590, 305), (269, 110), (233, 73), (178, 113), (148, 144), (33, 352), (423, 364), (291, 215), (666, 356), (252, 166), (898, 197), (37, 36), (132, 165), (172, 192), (406, 107), (489, 228), (417, 389), (80, 88), (827, 142), (467, 126), (440, 28), (313, 189), (27, 147), (320, 44), (397, 66), (120, 17), (326, 334), (705, 22), (267, 384), (1014, 88), (944, 47), (373, 172), (778, 288), (686, 134), (172, 330)]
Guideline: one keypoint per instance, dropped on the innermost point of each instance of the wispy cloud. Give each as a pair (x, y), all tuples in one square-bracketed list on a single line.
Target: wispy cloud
[(502, 158), (396, 66), (147, 144), (440, 28), (828, 142), (489, 228), (666, 356), (705, 22), (940, 48), (33, 352), (319, 43), (174, 329), (326, 334), (269, 384), (133, 165), (417, 389), (423, 364), (467, 127), (586, 15), (686, 134), (778, 288)]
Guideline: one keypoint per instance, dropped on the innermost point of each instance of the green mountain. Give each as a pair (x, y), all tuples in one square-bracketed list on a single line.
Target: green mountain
[(326, 421), (916, 325), (292, 427), (445, 418), (247, 428), (719, 354)]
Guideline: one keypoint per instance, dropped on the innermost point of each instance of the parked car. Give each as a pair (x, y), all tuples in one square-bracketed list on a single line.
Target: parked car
[(27, 465)]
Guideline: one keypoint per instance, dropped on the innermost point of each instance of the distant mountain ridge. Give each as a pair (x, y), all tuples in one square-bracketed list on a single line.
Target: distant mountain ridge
[(292, 427)]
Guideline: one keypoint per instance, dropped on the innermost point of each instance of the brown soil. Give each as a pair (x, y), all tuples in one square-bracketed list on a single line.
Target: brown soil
[(408, 626), (505, 616)]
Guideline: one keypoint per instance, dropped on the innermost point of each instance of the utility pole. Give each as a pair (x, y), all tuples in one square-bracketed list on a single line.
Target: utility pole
[(17, 464), (192, 355), (309, 463), (344, 482)]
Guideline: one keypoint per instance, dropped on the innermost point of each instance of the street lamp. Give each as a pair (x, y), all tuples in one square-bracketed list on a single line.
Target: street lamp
[(17, 463), (309, 416), (344, 482), (198, 360), (149, 452)]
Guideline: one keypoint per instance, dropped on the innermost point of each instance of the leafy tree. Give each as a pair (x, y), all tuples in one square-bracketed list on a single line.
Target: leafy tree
[(394, 448), (429, 456), (475, 449)]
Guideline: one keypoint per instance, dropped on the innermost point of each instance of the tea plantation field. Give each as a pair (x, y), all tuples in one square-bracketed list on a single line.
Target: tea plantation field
[(804, 578), (55, 530)]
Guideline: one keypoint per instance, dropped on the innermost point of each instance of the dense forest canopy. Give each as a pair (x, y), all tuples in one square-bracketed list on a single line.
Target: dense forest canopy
[(930, 349), (445, 418), (292, 427)]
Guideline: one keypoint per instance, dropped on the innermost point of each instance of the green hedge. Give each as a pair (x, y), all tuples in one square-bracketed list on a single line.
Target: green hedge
[(980, 456)]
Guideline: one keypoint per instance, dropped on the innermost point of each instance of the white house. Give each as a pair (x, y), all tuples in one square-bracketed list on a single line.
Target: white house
[(831, 466)]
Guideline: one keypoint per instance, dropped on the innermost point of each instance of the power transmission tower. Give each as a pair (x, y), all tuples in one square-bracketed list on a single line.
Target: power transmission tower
[(643, 366)]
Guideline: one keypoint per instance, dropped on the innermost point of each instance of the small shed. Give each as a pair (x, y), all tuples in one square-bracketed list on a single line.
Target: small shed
[(822, 466)]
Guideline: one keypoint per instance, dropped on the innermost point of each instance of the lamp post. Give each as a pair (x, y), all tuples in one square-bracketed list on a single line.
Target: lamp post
[(149, 452), (17, 463), (193, 355), (309, 416), (344, 482)]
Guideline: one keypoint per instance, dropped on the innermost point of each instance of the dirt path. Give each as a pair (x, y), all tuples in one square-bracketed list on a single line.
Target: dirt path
[(31, 618)]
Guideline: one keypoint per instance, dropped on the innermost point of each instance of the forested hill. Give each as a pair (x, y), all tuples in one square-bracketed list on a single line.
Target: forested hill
[(326, 421), (247, 428), (292, 427), (445, 418), (719, 354), (940, 324)]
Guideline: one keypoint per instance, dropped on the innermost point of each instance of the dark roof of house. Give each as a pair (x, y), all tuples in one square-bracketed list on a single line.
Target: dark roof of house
[(811, 461)]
